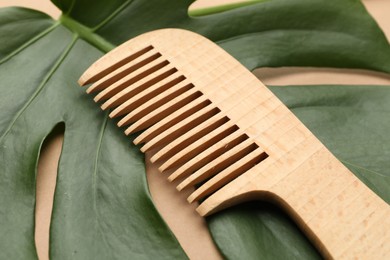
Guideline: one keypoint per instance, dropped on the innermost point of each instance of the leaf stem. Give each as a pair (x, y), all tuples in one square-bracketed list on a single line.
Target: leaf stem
[(86, 33)]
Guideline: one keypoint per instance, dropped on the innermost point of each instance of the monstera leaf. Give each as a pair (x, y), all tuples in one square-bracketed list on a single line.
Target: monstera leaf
[(102, 208)]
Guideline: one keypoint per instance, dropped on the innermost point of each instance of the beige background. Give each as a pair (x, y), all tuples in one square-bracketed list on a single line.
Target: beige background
[(189, 228)]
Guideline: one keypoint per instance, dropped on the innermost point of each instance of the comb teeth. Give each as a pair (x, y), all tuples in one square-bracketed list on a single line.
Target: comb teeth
[(191, 135), (177, 116), (169, 87), (195, 148), (130, 61), (123, 84), (210, 124), (246, 160)]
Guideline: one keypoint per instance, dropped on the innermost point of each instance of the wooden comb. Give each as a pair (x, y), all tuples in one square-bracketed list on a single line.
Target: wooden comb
[(219, 128)]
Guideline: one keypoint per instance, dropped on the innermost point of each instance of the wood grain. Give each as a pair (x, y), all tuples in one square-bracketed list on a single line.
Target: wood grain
[(269, 155), (197, 242)]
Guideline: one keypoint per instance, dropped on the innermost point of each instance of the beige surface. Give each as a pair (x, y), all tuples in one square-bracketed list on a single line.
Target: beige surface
[(46, 179), (161, 190), (42, 5)]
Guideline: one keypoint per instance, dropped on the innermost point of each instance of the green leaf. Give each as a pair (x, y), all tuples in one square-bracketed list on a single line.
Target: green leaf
[(328, 33), (102, 207), (257, 230), (20, 27)]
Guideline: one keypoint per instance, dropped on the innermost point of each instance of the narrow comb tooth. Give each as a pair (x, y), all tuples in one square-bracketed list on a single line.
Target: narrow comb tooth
[(228, 174), (198, 146), (181, 127), (131, 78), (230, 103), (120, 72), (150, 84), (192, 135), (202, 158), (230, 100), (183, 112), (246, 121), (153, 104), (144, 104), (216, 200), (218, 164), (162, 112), (247, 115), (99, 69), (234, 96), (209, 155)]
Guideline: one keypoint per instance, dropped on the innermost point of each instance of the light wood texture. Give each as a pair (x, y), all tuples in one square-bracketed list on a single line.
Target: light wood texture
[(234, 140), (194, 243)]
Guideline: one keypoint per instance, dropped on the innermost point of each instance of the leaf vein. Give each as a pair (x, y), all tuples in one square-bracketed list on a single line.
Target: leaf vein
[(363, 168), (40, 87), (31, 41), (112, 15), (94, 176), (71, 7)]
